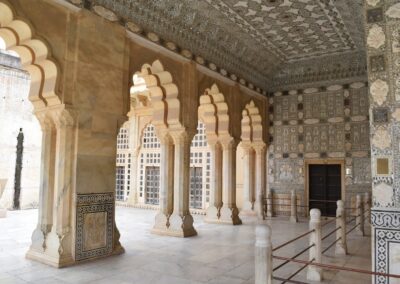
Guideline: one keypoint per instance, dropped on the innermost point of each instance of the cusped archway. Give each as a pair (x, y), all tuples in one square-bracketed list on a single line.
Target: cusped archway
[(153, 88), (17, 36), (213, 112)]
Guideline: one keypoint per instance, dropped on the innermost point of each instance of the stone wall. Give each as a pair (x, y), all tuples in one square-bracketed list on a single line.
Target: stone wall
[(15, 113), (383, 51), (325, 124)]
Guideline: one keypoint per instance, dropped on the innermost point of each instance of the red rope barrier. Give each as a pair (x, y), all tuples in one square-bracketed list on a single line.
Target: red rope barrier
[(334, 267), (331, 245), (297, 255), (329, 234), (293, 240)]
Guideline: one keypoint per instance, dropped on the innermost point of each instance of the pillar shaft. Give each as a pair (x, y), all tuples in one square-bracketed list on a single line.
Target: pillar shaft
[(248, 181), (181, 222), (215, 203), (166, 185), (229, 211), (260, 180)]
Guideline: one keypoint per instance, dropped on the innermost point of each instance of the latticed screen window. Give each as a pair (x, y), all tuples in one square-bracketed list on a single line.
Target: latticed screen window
[(199, 169), (123, 139), (152, 185), (196, 187), (149, 166), (150, 140), (120, 183)]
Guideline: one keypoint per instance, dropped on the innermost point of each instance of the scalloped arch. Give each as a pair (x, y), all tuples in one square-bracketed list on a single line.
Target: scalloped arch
[(155, 84), (16, 36), (252, 130), (213, 111)]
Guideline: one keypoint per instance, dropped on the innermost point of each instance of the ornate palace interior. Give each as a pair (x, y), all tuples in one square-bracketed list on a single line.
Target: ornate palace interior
[(198, 119)]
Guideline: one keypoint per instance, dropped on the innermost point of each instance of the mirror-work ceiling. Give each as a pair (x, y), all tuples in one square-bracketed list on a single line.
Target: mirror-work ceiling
[(268, 43)]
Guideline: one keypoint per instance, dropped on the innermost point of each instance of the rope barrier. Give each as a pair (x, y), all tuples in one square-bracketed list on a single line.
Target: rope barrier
[(297, 255), (293, 240), (297, 272), (332, 232), (331, 245), (348, 232), (340, 268), (287, 280), (330, 221)]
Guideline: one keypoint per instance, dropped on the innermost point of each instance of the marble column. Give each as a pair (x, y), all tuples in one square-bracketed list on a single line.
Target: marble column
[(59, 245), (181, 222), (166, 185), (134, 145), (248, 181), (46, 189), (382, 24), (260, 171), (213, 211), (229, 211)]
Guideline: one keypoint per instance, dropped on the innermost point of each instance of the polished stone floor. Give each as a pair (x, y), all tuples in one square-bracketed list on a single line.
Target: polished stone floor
[(219, 254)]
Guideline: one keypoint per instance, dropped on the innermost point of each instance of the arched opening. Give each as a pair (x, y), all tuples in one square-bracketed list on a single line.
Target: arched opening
[(213, 111), (253, 148), (154, 99)]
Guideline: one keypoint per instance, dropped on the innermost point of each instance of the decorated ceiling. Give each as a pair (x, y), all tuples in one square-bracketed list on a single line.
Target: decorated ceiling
[(265, 43)]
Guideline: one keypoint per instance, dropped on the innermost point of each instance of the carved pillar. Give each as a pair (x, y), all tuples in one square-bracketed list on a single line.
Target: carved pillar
[(213, 211), (260, 179), (181, 222), (46, 189), (383, 56), (248, 180), (59, 241), (166, 185), (58, 246), (134, 145), (229, 211)]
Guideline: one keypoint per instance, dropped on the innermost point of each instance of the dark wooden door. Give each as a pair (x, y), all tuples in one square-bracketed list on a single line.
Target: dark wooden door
[(325, 188)]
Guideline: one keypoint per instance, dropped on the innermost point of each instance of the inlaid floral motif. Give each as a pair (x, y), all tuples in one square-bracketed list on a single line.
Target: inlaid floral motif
[(379, 91), (376, 37), (381, 139)]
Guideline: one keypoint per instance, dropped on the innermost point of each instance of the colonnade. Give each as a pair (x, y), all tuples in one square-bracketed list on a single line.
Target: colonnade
[(174, 216)]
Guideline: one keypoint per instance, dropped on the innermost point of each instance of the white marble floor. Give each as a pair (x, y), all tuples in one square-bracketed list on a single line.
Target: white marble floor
[(219, 254)]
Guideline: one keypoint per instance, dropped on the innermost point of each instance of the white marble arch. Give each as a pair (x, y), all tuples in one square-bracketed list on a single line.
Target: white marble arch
[(213, 112), (254, 160)]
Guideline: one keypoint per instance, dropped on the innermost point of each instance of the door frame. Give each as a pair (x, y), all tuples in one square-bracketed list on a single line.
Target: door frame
[(308, 162)]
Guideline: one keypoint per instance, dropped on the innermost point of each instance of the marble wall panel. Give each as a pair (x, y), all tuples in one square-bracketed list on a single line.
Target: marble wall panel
[(94, 225)]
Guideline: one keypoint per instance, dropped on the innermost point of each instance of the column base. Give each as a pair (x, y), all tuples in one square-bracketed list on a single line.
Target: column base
[(174, 226), (247, 209), (230, 216), (3, 213), (293, 219), (212, 215), (45, 258)]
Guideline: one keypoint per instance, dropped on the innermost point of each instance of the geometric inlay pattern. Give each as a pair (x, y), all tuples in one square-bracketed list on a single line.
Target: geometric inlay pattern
[(94, 225), (384, 224)]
